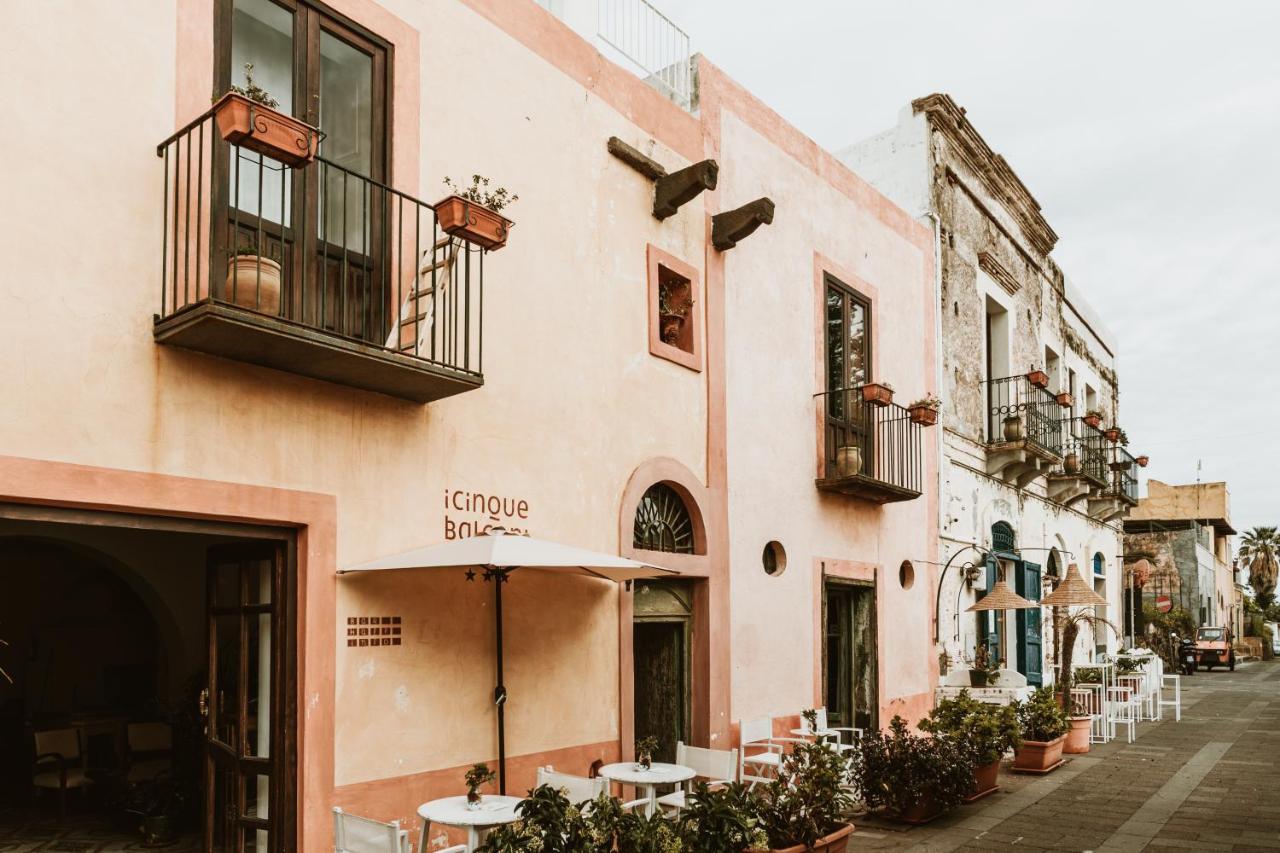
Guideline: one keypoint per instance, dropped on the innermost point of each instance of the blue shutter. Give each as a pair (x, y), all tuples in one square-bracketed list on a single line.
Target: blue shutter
[(1030, 643)]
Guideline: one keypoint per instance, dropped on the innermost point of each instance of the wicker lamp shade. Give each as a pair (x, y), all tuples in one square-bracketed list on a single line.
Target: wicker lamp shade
[(1073, 592), (1002, 597)]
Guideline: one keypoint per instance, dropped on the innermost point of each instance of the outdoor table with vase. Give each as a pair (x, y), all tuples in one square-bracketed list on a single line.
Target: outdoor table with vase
[(492, 810), (648, 779)]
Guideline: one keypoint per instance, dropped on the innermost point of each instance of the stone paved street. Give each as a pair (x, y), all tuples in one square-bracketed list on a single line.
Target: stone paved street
[(1208, 783)]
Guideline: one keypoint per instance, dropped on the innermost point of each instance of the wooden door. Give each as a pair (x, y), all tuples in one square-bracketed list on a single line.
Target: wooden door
[(660, 647), (990, 625), (850, 678), (248, 775), (1030, 639)]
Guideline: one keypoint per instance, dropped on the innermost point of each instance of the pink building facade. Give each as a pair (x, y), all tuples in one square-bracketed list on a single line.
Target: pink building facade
[(162, 434)]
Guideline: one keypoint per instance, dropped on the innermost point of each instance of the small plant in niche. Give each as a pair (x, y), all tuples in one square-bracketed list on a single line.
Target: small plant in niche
[(478, 776), (674, 304), (645, 748)]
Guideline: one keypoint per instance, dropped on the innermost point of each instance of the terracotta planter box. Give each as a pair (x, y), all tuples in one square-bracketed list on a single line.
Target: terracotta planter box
[(473, 222), (985, 779), (1077, 742), (836, 842), (877, 394), (923, 415), (1093, 421), (1064, 400), (1142, 461), (1112, 434), (1038, 378), (266, 131), (1038, 756)]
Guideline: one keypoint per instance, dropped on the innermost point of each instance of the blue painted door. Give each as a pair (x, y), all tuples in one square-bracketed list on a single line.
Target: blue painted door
[(1030, 642), (989, 620)]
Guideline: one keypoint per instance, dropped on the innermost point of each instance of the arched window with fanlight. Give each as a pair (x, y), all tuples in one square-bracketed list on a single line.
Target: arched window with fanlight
[(663, 522)]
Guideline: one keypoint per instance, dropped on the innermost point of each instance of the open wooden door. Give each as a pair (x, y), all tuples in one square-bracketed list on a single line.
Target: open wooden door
[(248, 771)]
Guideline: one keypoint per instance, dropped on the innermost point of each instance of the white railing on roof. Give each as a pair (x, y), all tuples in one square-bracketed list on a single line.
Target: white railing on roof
[(651, 42)]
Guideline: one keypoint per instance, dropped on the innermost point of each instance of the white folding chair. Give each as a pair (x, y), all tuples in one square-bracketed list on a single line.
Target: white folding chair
[(1123, 710), (577, 788), (824, 732), (761, 765), (714, 766), (1171, 678), (355, 834)]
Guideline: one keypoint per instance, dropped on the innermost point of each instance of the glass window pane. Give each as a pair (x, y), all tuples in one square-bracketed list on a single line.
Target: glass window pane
[(226, 585), (835, 353), (257, 796), (257, 574), (262, 36), (346, 118), (258, 661), (858, 367), (226, 710)]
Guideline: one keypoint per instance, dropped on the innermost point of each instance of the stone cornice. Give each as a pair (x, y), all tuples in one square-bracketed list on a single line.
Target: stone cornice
[(998, 179), (987, 263)]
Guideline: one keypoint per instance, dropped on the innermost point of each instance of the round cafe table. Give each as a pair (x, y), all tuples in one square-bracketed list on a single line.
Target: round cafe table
[(494, 811), (625, 773)]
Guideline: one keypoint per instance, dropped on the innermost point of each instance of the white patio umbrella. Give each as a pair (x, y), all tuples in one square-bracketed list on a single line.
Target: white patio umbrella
[(497, 554)]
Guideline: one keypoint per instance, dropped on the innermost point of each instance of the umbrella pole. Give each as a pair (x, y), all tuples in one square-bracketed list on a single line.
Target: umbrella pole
[(500, 692)]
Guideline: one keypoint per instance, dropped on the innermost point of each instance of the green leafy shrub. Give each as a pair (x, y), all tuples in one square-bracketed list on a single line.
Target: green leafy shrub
[(720, 820), (1041, 718), (550, 823), (896, 770), (989, 730), (808, 800)]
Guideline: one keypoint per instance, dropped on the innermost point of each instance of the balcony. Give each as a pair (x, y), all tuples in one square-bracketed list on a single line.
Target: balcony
[(1083, 471), (1119, 491), (1024, 431), (872, 451), (314, 270)]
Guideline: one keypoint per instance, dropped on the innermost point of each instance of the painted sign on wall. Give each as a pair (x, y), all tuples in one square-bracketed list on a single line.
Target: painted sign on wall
[(474, 513)]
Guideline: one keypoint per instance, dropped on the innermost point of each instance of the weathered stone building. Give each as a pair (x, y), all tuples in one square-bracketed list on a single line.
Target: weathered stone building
[(1185, 532), (1028, 487)]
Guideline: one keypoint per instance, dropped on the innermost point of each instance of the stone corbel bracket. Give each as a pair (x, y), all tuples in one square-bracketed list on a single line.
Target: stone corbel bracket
[(732, 226), (671, 190)]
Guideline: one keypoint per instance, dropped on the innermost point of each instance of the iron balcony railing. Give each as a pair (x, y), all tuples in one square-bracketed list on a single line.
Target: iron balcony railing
[(872, 441), (651, 42), (1124, 475), (1084, 452), (320, 247), (1018, 410)]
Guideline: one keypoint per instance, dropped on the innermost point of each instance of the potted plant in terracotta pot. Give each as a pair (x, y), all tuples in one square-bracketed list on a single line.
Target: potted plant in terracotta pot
[(473, 213), (253, 281), (1064, 399), (925, 410), (989, 730), (721, 819), (985, 670), (1093, 418), (1044, 726), (1068, 625), (247, 116), (912, 778), (1142, 460), (672, 313), (805, 807), (645, 748), (478, 776), (1113, 434), (877, 393), (1038, 378)]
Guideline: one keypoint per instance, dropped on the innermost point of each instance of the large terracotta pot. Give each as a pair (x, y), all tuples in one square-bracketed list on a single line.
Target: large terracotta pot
[(1077, 741), (985, 778), (1013, 428), (848, 460), (836, 842), (1038, 755), (251, 125), (921, 811), (246, 290), (473, 222)]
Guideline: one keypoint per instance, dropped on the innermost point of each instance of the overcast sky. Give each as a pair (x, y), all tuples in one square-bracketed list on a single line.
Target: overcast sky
[(1150, 134)]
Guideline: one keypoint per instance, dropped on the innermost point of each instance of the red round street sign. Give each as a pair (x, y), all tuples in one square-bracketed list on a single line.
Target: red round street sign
[(1164, 603)]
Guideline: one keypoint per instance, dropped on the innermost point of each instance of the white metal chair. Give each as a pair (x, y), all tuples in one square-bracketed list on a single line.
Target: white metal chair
[(838, 743), (1171, 678), (714, 766), (577, 788), (1123, 710), (757, 735), (150, 751), (59, 765), (355, 834), (1087, 702)]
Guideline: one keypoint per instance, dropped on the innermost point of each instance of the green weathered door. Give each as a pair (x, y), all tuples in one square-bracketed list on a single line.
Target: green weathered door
[(850, 686), (989, 620), (1030, 640)]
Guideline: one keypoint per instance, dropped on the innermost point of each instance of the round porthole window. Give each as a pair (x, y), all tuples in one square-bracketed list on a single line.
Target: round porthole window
[(774, 559), (906, 575)]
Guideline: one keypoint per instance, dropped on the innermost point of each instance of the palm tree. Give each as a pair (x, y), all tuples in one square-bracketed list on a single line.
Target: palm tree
[(1258, 550)]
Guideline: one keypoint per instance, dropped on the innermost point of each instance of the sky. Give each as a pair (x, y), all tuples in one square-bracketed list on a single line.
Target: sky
[(1150, 134)]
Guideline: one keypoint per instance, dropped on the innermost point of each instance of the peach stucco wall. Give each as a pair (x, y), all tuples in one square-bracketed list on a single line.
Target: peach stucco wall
[(573, 406)]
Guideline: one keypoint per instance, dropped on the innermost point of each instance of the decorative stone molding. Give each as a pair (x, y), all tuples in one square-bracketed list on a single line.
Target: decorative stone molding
[(987, 263), (997, 178)]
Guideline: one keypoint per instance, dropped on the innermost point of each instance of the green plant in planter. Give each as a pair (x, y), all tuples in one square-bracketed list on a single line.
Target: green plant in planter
[(986, 664), (808, 799), (1088, 675), (645, 748), (479, 193), (720, 820), (1125, 665), (897, 770), (640, 834), (810, 716), (1041, 718), (989, 730), (478, 776), (550, 823)]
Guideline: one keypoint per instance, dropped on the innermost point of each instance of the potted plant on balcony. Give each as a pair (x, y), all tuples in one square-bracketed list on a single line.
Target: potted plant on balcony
[(253, 281), (1012, 427), (1093, 418), (985, 670), (877, 393), (848, 460), (1071, 462), (478, 776), (1142, 460), (805, 807), (473, 212), (248, 117), (989, 730), (1064, 399), (1113, 434), (925, 410), (672, 314), (1038, 378), (912, 778), (1044, 727)]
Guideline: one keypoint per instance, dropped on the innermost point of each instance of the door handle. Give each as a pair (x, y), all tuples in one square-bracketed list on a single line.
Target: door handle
[(203, 704)]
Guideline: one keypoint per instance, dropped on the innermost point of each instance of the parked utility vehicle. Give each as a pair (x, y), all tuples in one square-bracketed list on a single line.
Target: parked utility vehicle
[(1213, 648)]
